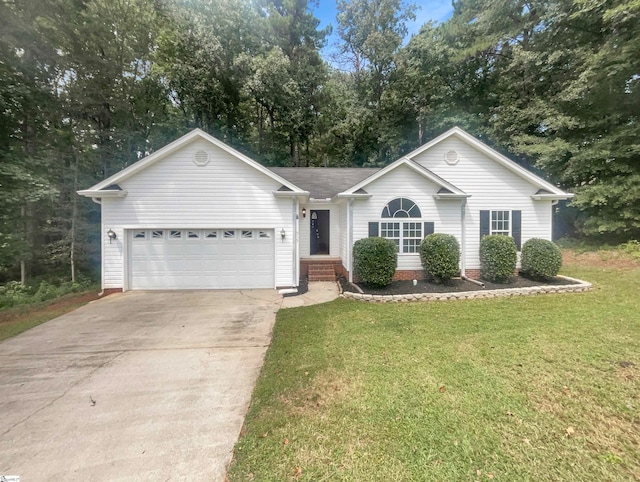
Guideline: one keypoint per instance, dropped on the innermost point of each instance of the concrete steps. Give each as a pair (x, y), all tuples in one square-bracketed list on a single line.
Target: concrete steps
[(322, 272)]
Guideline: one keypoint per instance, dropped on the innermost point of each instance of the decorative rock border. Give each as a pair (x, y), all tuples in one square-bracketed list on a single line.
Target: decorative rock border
[(579, 287)]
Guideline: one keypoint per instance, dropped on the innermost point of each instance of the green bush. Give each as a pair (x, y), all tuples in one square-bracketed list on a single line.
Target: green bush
[(541, 259), (374, 261), (440, 256), (498, 257)]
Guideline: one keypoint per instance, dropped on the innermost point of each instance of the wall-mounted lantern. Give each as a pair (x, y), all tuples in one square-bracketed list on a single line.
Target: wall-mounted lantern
[(282, 233), (112, 235), (304, 212)]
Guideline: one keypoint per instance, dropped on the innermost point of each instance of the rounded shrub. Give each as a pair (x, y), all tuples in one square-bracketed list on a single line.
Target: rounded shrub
[(541, 259), (374, 261), (440, 256), (498, 257)]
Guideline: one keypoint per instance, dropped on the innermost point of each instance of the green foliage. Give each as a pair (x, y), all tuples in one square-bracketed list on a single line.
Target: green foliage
[(15, 293), (440, 256), (374, 261), (498, 258), (541, 259)]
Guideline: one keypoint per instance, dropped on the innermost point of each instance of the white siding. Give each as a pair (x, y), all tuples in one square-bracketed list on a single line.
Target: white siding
[(492, 187), (343, 242), (404, 182), (175, 193), (334, 229)]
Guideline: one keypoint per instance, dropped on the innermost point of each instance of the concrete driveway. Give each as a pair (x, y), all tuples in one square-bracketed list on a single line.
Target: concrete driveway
[(136, 386)]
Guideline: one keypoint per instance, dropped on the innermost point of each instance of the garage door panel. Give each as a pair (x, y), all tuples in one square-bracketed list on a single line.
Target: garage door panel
[(205, 262)]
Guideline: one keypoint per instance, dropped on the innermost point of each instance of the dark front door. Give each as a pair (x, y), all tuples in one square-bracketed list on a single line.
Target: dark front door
[(319, 232)]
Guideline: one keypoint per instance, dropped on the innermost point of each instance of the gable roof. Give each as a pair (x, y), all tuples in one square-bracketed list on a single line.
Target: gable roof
[(104, 186), (494, 155), (421, 170), (324, 182)]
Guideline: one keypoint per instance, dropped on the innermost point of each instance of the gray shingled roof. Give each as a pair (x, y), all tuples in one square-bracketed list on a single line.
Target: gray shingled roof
[(324, 182)]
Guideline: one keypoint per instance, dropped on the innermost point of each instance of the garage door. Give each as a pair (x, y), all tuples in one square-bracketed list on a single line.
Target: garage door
[(201, 259)]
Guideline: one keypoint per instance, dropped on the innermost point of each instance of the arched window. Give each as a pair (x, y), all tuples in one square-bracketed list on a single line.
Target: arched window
[(407, 234), (401, 208)]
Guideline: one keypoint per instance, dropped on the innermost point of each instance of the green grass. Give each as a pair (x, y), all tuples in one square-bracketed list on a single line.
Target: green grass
[(529, 388), (14, 321)]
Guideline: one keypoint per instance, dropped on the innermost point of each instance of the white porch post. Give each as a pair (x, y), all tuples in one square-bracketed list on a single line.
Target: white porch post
[(350, 239)]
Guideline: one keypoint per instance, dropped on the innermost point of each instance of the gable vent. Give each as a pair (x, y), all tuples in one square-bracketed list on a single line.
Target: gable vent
[(451, 157), (201, 158)]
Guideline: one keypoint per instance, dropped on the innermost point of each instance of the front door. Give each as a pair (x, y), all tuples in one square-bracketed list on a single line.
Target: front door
[(319, 232)]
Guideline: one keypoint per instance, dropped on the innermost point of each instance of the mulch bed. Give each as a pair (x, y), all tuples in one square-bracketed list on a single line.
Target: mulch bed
[(453, 286)]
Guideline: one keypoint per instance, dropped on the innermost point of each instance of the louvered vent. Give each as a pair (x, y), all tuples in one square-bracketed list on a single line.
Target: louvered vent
[(451, 157), (201, 158)]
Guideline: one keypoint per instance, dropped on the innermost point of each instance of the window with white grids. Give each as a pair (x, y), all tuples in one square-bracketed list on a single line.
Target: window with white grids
[(406, 234), (500, 223)]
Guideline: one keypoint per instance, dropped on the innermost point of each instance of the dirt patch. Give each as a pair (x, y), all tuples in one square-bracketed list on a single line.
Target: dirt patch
[(328, 388), (455, 285), (601, 259), (59, 306)]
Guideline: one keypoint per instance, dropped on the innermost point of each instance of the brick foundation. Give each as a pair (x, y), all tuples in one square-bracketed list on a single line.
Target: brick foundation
[(110, 291), (473, 273), (408, 274)]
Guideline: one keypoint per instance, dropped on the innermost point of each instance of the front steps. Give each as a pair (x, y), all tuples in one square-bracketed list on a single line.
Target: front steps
[(322, 272)]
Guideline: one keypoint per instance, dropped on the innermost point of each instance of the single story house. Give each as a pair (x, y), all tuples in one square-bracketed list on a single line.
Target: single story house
[(198, 214)]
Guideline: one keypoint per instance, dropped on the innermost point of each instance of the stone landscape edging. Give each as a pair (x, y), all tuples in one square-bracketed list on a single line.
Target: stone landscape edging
[(579, 287)]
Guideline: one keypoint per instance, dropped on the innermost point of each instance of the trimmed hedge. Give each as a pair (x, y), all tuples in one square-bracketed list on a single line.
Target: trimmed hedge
[(374, 261), (498, 257), (440, 256), (541, 259)]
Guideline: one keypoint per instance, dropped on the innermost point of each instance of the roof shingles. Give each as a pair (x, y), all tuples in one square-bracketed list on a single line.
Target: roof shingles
[(324, 182)]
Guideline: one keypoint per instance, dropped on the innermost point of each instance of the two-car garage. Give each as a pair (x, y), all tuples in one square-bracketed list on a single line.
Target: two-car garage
[(178, 258)]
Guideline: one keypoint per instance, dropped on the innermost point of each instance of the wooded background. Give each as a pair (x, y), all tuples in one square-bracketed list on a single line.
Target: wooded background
[(88, 87)]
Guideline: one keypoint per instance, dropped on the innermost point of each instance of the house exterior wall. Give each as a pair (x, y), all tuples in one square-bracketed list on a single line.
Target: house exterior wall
[(334, 229), (343, 244), (176, 193), (405, 182), (492, 187)]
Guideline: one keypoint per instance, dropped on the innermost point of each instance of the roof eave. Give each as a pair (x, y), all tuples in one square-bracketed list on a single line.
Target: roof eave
[(552, 197), (291, 193), (346, 195), (101, 193), (451, 196)]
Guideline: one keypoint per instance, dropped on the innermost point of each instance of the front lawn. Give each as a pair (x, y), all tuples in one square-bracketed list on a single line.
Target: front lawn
[(528, 388)]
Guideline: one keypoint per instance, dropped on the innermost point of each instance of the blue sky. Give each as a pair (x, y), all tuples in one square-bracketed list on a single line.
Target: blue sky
[(436, 10)]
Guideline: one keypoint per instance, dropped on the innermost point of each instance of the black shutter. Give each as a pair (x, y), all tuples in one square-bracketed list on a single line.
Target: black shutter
[(429, 228), (485, 223), (373, 229), (516, 227)]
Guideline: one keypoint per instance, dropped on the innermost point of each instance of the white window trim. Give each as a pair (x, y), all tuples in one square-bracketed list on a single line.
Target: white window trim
[(500, 232), (401, 221)]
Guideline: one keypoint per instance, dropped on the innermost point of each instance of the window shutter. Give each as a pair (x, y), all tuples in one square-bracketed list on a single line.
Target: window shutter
[(485, 223), (516, 227), (429, 228), (373, 229)]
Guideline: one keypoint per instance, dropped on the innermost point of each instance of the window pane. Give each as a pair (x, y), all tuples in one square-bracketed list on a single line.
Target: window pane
[(175, 234), (229, 234), (157, 234), (211, 234), (139, 234), (193, 235), (263, 234), (247, 234)]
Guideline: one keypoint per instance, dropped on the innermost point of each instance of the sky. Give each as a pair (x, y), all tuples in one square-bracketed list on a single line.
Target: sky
[(436, 10)]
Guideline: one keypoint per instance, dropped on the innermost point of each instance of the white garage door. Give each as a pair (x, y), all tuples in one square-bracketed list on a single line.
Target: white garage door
[(201, 259)]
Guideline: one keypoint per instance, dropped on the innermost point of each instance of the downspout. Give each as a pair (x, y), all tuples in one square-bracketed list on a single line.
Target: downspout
[(350, 239), (463, 238), (463, 243)]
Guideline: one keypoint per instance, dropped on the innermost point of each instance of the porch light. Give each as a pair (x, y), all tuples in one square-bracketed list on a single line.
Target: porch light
[(112, 235), (282, 234), (304, 212)]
